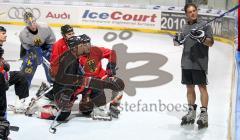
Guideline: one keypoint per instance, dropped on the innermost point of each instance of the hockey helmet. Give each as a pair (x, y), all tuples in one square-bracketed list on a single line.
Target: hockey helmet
[(28, 18), (66, 29), (85, 39), (73, 41), (2, 29)]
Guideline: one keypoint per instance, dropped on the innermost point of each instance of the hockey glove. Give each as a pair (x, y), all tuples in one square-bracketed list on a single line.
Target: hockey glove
[(111, 69), (198, 35), (178, 39)]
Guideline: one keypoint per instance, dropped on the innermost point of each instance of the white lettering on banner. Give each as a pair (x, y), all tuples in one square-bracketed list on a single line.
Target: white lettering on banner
[(217, 28), (117, 15), (58, 16), (169, 23)]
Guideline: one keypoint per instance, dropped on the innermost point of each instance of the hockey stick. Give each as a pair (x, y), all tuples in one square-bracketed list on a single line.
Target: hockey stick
[(222, 15), (33, 100), (45, 92), (46, 62), (53, 126)]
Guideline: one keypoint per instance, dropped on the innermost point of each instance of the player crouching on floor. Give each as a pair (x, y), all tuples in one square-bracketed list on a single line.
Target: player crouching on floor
[(94, 100)]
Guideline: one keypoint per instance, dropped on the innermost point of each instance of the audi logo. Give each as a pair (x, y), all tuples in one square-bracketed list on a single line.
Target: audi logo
[(18, 12)]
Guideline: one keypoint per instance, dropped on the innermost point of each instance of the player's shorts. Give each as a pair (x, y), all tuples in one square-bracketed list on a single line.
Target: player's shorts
[(194, 77)]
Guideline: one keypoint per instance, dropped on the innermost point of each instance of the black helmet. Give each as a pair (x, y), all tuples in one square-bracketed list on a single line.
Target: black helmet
[(2, 29), (73, 41), (85, 39), (66, 29)]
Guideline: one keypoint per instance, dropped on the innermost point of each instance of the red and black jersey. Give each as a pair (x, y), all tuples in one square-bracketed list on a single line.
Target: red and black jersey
[(58, 48), (92, 64)]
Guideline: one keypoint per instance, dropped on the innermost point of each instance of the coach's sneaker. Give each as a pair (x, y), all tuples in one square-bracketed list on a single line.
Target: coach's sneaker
[(190, 117), (203, 118)]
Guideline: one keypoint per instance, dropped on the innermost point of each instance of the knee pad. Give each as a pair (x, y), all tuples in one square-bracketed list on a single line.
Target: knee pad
[(118, 84)]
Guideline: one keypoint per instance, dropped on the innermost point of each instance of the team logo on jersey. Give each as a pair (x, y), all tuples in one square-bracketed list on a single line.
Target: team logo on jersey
[(91, 65), (37, 41)]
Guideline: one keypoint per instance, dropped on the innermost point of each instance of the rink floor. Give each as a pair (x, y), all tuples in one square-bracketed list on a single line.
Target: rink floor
[(154, 100)]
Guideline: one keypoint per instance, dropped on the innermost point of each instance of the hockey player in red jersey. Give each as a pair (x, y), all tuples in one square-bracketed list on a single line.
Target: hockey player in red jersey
[(91, 62), (58, 48), (92, 57)]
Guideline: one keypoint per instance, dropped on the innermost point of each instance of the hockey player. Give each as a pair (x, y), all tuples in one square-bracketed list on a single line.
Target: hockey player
[(58, 49), (194, 64), (8, 78), (91, 61), (4, 67), (36, 40), (68, 78)]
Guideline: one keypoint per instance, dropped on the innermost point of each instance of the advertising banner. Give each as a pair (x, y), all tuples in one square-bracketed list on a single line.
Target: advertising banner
[(222, 27), (131, 18), (84, 15), (46, 13), (110, 17)]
